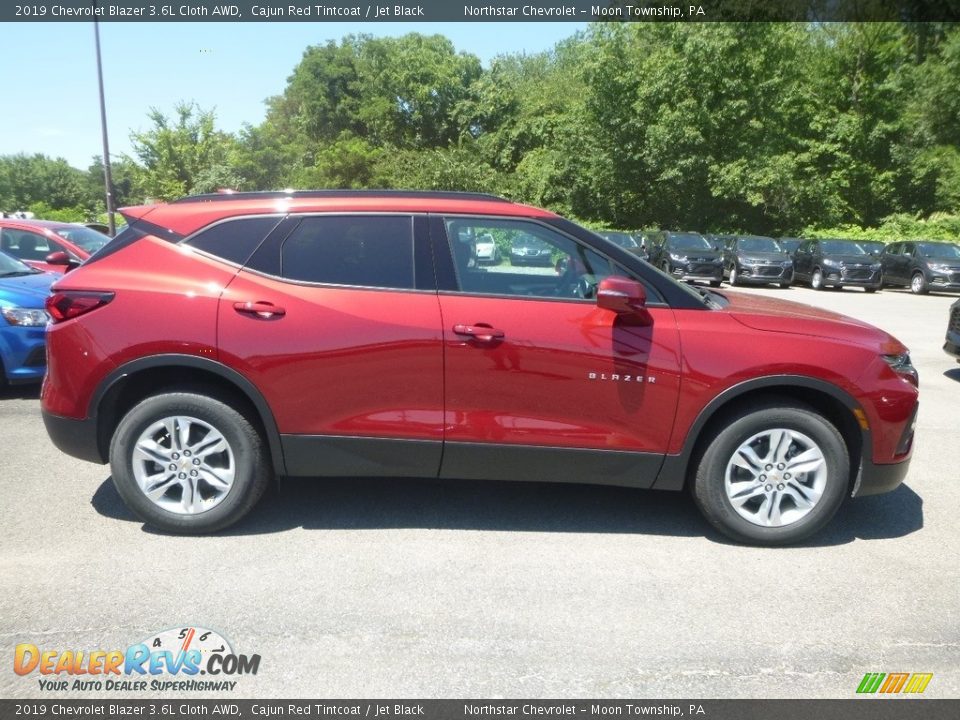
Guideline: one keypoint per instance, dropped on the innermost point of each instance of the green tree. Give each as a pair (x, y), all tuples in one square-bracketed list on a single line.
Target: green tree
[(184, 155)]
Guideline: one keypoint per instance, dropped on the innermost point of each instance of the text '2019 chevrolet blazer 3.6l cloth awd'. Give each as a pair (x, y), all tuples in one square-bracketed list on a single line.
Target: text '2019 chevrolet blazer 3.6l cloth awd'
[(221, 340)]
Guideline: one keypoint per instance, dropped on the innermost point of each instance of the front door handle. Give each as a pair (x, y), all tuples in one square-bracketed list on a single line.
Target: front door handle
[(480, 332), (261, 309)]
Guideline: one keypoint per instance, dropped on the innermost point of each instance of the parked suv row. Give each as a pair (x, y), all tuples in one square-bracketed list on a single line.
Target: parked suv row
[(922, 266), (686, 256), (221, 340)]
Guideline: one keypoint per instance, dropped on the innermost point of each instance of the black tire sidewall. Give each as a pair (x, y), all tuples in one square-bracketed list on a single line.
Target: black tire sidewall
[(250, 478), (708, 485)]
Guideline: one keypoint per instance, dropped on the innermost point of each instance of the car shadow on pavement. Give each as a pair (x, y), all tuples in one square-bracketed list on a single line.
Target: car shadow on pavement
[(20, 392), (382, 503), (953, 374)]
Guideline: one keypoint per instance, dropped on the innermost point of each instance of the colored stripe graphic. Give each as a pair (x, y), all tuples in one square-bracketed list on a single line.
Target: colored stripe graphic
[(918, 682), (894, 682), (870, 682)]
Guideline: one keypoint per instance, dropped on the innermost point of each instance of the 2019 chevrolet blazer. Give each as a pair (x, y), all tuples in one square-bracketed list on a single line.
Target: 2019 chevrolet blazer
[(221, 340)]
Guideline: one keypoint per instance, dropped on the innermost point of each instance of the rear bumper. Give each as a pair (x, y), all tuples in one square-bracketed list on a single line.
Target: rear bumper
[(77, 438)]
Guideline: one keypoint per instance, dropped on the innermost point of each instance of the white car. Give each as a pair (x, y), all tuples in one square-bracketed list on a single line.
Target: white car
[(487, 250)]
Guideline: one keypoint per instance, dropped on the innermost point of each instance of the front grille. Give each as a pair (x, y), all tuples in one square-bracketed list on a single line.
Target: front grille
[(857, 273), (769, 271), (955, 321), (36, 358), (702, 270)]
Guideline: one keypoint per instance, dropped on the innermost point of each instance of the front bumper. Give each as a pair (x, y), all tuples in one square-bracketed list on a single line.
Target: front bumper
[(845, 277), (712, 273), (765, 274), (77, 438), (944, 280), (23, 353), (878, 479)]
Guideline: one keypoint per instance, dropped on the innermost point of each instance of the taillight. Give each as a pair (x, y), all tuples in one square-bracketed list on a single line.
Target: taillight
[(66, 304)]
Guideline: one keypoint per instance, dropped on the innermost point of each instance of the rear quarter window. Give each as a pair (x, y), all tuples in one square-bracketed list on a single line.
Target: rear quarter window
[(233, 240)]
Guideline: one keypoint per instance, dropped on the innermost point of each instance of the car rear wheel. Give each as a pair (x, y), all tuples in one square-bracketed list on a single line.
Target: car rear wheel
[(919, 285), (816, 280), (775, 474), (188, 464)]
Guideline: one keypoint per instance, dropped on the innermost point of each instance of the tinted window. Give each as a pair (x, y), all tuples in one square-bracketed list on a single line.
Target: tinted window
[(758, 244), (234, 240), (368, 251)]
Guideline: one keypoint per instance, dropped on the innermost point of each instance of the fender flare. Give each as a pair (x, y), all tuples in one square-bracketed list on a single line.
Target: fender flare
[(674, 469), (175, 360)]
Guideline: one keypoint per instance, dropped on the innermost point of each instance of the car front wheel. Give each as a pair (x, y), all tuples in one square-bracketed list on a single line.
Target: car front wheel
[(774, 475), (734, 276), (919, 285), (816, 280), (188, 464)]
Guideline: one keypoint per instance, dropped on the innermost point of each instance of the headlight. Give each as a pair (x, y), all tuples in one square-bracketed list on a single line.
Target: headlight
[(678, 258), (832, 263), (27, 317), (940, 268), (718, 261), (902, 366), (787, 263), (876, 266)]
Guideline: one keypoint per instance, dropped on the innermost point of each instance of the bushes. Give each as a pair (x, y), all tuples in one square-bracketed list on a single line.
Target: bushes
[(939, 226)]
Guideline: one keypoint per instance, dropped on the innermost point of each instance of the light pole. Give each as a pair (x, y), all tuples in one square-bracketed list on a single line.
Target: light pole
[(107, 177)]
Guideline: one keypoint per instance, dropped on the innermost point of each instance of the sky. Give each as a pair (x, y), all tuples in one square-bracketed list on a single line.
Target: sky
[(48, 80)]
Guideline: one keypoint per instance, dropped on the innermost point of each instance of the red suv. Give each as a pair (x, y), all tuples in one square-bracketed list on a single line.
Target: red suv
[(221, 340)]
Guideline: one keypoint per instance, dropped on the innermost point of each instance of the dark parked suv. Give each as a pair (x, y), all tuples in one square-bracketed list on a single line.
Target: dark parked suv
[(836, 263), (757, 260), (922, 266), (952, 345), (221, 340), (686, 256)]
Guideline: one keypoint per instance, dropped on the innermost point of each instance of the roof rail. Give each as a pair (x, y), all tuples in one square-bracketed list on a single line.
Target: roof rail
[(279, 194)]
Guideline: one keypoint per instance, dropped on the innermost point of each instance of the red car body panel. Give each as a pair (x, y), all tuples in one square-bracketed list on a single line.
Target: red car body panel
[(599, 383), (341, 361), (368, 363)]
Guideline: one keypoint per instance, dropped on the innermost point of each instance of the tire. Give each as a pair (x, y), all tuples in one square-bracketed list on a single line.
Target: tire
[(242, 469), (715, 283), (785, 285), (816, 280), (870, 290), (919, 284), (734, 276), (665, 267), (758, 427)]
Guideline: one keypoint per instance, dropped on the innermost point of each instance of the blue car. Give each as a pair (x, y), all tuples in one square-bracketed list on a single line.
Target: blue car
[(23, 321)]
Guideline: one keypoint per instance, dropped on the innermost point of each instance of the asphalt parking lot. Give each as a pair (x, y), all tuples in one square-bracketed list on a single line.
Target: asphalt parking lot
[(386, 588)]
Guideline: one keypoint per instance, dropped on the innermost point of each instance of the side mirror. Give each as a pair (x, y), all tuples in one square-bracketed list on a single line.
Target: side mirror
[(61, 258), (624, 296)]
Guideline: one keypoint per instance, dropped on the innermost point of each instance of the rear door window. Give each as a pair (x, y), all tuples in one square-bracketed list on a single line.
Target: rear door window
[(373, 251)]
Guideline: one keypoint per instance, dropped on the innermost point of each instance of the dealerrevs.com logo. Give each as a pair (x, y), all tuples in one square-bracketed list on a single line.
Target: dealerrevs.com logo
[(171, 660)]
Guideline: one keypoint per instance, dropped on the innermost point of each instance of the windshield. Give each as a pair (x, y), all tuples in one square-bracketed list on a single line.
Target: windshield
[(840, 247), (621, 239), (9, 265), (758, 244), (89, 240), (789, 244), (874, 248), (939, 250), (689, 241)]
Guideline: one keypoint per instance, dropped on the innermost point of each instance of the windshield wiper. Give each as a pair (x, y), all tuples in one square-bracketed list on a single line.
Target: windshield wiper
[(19, 273)]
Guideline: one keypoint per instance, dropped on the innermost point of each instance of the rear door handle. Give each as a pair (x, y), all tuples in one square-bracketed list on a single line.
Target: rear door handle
[(480, 332), (261, 309)]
